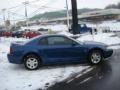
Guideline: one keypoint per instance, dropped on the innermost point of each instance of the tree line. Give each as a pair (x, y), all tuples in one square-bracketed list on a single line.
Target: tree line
[(116, 6)]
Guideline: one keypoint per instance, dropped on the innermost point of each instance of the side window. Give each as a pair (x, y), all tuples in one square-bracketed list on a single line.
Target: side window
[(59, 41), (43, 41)]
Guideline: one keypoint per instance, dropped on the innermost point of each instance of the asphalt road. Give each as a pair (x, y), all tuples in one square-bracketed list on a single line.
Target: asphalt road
[(106, 77)]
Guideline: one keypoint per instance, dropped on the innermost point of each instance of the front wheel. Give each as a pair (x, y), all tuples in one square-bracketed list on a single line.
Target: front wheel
[(95, 57), (32, 62)]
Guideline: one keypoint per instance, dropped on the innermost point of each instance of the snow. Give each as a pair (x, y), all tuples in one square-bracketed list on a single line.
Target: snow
[(109, 39), (16, 77), (65, 33), (112, 25), (109, 25)]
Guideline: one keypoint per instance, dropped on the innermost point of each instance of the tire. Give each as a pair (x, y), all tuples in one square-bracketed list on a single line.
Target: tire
[(95, 57), (32, 62)]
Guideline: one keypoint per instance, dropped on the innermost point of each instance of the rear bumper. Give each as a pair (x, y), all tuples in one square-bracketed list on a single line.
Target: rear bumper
[(14, 59), (108, 53)]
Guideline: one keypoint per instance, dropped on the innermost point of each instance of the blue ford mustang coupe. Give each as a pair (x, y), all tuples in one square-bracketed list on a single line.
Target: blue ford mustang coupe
[(56, 49)]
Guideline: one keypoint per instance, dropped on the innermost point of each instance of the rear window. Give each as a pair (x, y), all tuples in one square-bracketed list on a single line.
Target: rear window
[(32, 39)]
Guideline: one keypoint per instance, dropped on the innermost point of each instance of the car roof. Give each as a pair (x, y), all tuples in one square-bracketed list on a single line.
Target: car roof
[(46, 35), (51, 35), (43, 36)]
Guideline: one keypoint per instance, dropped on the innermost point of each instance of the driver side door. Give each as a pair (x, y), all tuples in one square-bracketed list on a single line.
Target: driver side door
[(62, 49)]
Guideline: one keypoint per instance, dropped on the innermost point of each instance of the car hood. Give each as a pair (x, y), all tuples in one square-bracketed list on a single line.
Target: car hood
[(94, 43)]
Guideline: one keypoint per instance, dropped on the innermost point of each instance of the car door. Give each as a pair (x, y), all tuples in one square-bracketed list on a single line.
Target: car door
[(61, 49)]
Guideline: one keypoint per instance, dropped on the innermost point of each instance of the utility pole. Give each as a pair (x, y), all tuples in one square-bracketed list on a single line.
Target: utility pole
[(14, 23), (68, 23), (4, 18), (75, 25), (8, 15), (26, 12)]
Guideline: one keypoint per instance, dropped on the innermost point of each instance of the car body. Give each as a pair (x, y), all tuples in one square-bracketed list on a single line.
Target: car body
[(1, 33), (43, 31), (56, 49), (84, 29), (31, 34), (7, 33), (17, 34)]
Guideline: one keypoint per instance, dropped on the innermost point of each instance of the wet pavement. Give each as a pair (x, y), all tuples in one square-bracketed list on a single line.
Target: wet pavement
[(106, 77)]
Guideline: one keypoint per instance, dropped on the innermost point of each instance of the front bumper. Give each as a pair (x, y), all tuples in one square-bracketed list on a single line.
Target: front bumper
[(14, 59), (108, 53)]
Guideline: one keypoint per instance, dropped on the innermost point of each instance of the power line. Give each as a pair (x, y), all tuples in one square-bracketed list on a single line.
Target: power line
[(45, 6), (18, 19), (30, 4), (15, 6), (16, 10), (33, 13), (40, 8), (22, 4), (16, 14)]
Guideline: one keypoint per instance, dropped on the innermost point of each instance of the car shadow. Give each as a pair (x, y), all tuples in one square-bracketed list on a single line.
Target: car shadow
[(21, 67)]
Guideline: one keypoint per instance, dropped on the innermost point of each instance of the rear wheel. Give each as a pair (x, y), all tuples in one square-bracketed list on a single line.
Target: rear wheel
[(95, 57), (32, 62)]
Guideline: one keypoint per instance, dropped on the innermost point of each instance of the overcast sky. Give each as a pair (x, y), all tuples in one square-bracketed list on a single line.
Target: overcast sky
[(60, 3), (54, 4)]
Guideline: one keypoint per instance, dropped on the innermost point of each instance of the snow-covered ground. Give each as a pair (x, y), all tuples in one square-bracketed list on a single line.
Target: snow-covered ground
[(112, 25), (16, 77)]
